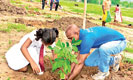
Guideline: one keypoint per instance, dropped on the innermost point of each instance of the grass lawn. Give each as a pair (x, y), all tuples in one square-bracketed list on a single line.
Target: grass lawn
[(92, 8)]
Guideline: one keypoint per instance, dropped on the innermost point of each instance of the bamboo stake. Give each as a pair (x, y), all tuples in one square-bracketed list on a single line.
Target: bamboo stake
[(84, 18)]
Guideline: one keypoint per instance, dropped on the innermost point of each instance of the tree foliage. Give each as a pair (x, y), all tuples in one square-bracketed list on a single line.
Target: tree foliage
[(64, 56)]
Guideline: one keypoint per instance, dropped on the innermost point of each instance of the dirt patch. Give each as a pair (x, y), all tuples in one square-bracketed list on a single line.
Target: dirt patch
[(61, 23), (6, 8), (118, 24), (65, 21), (34, 12), (124, 73), (37, 23)]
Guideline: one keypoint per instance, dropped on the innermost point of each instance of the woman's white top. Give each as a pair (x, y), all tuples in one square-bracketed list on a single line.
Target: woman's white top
[(15, 57)]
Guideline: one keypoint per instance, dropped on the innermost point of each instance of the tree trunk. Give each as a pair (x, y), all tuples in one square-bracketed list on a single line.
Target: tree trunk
[(99, 2)]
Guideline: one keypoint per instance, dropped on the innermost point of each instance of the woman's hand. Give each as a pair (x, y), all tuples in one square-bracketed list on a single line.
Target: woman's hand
[(35, 67)]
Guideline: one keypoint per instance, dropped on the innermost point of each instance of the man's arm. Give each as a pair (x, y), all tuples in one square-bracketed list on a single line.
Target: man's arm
[(78, 66), (73, 64)]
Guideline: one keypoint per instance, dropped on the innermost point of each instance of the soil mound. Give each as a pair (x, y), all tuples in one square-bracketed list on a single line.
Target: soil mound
[(124, 73), (60, 24), (65, 21), (7, 8)]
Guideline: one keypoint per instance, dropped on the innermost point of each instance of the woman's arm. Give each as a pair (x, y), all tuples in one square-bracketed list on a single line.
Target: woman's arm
[(26, 54)]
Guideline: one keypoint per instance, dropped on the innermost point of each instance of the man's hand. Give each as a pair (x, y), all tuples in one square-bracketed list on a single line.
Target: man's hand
[(78, 66)]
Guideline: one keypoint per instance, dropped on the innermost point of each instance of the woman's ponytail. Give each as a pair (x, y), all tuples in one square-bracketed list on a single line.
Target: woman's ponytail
[(39, 34), (56, 31)]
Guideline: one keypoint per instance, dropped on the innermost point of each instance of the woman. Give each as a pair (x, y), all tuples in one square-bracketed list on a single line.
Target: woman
[(118, 17), (30, 50)]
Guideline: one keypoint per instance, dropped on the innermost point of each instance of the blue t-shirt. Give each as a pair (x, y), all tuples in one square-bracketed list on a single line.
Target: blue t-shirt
[(57, 0), (94, 37)]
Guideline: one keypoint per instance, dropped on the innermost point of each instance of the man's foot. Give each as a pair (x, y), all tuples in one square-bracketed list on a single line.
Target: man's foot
[(117, 60), (100, 75)]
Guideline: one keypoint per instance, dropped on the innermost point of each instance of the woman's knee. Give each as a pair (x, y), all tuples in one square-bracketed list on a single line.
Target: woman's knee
[(23, 69)]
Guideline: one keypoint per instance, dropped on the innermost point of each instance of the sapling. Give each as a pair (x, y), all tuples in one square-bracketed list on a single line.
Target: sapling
[(64, 56)]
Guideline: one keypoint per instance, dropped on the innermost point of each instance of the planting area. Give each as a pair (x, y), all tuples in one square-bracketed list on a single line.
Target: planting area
[(21, 17)]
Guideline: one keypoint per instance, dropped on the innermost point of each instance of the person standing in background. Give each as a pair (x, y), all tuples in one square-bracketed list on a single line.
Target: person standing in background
[(43, 3), (51, 4), (57, 4), (106, 12), (118, 17)]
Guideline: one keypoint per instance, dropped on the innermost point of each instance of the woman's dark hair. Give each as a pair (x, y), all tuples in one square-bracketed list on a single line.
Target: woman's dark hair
[(48, 36), (56, 31), (117, 5)]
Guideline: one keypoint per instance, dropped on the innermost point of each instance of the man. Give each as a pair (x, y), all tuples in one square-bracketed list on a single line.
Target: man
[(43, 3), (106, 12), (57, 4), (51, 4), (106, 41)]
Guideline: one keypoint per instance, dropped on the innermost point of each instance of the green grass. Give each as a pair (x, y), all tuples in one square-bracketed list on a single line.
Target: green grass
[(128, 49), (36, 0), (13, 26), (8, 78), (27, 7), (127, 22), (9, 42), (36, 9), (16, 1), (131, 69), (92, 8), (48, 16), (52, 16), (127, 60)]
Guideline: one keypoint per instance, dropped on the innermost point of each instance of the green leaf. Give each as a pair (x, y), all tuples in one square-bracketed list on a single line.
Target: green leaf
[(78, 42), (63, 45), (67, 66), (56, 50), (73, 40), (58, 64), (62, 75), (75, 48), (67, 44), (50, 47), (50, 61), (59, 44)]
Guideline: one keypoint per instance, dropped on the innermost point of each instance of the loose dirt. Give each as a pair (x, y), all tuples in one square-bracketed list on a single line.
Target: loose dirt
[(120, 25), (60, 24), (6, 9), (124, 73)]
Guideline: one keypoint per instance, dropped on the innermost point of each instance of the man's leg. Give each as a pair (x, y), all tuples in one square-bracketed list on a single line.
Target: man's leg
[(43, 4), (103, 23), (93, 58), (105, 50), (51, 5), (56, 7)]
